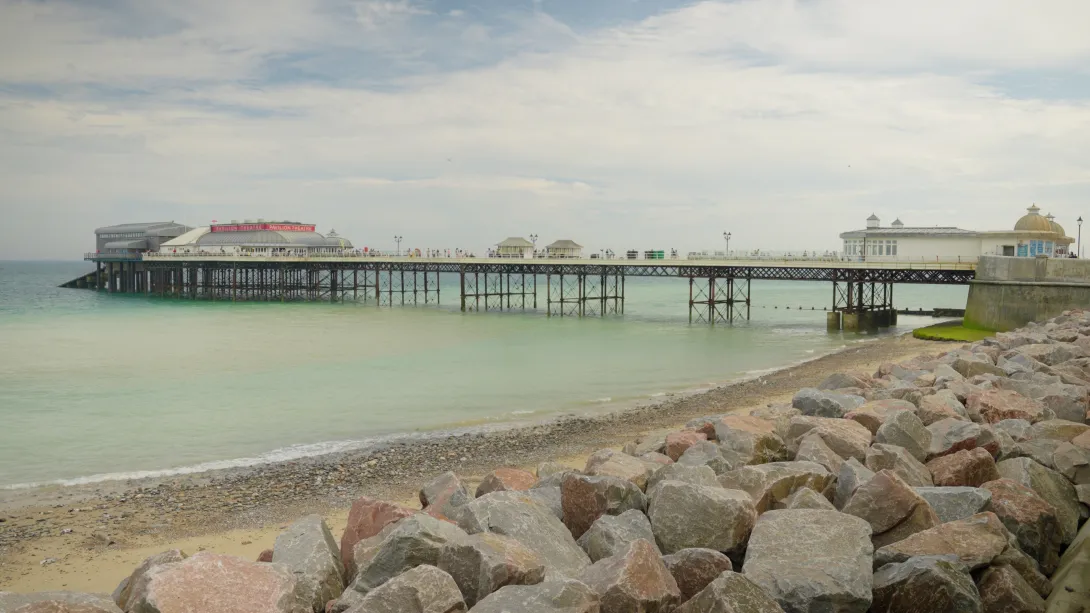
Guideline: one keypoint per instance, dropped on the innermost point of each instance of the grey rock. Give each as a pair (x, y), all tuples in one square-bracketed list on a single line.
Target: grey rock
[(852, 475), (548, 497), (819, 403), (926, 583), (654, 442), (904, 429), (556, 596), (684, 515), (1049, 485), (533, 525), (347, 600), (424, 589), (767, 484), (1051, 354), (900, 462), (813, 449), (805, 498), (731, 593), (839, 381), (58, 602), (972, 368), (445, 493), (954, 503), (698, 475), (812, 561), (1039, 450), (846, 438), (693, 569), (952, 435), (611, 535), (309, 550), (976, 541), (1072, 462), (483, 563), (415, 540), (712, 455), (124, 592), (1017, 429), (546, 469)]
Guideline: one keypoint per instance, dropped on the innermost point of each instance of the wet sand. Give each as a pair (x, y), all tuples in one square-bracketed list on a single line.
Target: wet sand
[(88, 538)]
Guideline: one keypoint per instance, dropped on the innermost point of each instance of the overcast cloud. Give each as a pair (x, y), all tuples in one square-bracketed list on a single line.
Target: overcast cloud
[(617, 123)]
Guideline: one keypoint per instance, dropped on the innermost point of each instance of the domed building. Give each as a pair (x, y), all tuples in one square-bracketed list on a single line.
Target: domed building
[(1033, 234), (261, 238)]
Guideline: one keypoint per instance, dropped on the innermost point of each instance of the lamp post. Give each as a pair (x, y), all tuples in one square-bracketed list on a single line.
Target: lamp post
[(397, 239), (726, 237), (1078, 245), (533, 239)]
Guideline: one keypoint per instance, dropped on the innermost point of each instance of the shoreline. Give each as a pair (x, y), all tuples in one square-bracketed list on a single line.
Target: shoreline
[(85, 536)]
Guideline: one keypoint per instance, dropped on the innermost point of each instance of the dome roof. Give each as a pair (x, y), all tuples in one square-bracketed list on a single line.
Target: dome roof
[(1057, 228), (1033, 221)]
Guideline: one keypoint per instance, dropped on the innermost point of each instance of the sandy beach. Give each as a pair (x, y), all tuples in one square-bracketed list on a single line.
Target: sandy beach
[(87, 538)]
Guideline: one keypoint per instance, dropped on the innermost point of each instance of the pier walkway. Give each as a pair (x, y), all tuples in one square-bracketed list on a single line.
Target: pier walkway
[(719, 290)]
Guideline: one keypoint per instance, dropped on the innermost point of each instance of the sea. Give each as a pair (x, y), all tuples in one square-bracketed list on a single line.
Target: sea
[(98, 387)]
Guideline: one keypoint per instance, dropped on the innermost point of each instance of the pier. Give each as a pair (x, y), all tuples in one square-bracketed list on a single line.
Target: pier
[(861, 293)]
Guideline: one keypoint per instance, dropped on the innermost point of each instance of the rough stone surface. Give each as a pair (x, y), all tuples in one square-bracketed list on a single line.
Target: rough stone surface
[(224, 584), (424, 589), (1051, 354), (445, 493), (943, 404), (636, 580), (805, 498), (506, 480), (678, 442), (409, 543), (892, 508), (954, 503), (483, 563), (519, 517), (610, 463), (124, 592), (1072, 462), (820, 403), (968, 468), (586, 498), (731, 592), (932, 583), (839, 381), (684, 516), (813, 449), (845, 437), (693, 569), (812, 561), (611, 535), (548, 497), (752, 439), (1050, 485), (768, 484), (1003, 590), (996, 405), (1040, 450), (1018, 429), (700, 475), (546, 469), (366, 518), (852, 474), (714, 456), (900, 461), (1082, 441), (976, 541), (953, 435), (308, 549), (1058, 430), (903, 429), (1026, 566), (56, 602), (556, 596), (1029, 518)]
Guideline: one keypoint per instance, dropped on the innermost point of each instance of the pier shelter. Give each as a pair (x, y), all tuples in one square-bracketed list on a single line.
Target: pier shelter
[(515, 247), (565, 249)]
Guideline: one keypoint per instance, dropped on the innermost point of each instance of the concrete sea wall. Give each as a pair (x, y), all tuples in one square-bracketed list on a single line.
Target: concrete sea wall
[(1010, 292)]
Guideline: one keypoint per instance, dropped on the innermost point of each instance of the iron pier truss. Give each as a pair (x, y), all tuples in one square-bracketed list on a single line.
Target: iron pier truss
[(719, 292)]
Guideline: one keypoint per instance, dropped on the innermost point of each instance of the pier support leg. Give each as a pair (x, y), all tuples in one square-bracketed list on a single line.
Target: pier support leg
[(462, 282), (851, 322), (833, 321)]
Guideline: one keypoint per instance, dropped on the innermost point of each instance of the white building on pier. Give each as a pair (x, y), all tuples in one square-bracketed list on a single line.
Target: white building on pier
[(1033, 235), (565, 249), (515, 247)]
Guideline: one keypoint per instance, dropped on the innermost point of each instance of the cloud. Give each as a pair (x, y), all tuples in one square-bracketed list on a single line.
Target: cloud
[(785, 122)]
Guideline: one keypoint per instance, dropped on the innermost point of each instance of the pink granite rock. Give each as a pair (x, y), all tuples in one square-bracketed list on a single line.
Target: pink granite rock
[(506, 480), (968, 467), (996, 405), (366, 518), (636, 580), (678, 442)]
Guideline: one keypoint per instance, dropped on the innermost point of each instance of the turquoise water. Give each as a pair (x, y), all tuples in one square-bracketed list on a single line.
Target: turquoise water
[(94, 386)]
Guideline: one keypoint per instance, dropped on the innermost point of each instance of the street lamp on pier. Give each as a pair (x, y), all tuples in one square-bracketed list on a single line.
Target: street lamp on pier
[(533, 239), (726, 237), (1078, 245), (397, 239)]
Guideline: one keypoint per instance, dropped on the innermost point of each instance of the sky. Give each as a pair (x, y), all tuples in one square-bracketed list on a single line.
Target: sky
[(621, 124)]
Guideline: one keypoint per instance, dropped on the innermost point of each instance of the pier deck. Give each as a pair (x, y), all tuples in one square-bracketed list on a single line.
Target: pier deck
[(719, 290)]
